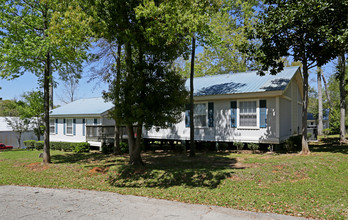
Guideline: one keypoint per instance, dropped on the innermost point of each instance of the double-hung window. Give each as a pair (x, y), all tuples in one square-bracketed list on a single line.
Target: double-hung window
[(52, 126), (200, 115), (247, 114), (69, 126)]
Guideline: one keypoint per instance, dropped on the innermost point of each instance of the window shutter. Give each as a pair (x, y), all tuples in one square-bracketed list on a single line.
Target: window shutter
[(64, 126), (211, 114), (263, 113), (233, 114), (74, 126), (95, 121), (187, 116), (56, 126), (83, 127)]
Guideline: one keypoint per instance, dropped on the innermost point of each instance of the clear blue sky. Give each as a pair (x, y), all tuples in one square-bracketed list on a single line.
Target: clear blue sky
[(15, 88)]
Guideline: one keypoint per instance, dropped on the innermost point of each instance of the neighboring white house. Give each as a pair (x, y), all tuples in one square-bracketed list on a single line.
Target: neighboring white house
[(10, 137), (240, 107), (80, 121)]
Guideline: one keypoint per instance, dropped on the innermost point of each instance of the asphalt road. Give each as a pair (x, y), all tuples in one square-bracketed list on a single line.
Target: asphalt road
[(18, 202)]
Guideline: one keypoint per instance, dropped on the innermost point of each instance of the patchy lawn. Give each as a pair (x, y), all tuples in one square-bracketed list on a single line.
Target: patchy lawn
[(309, 186)]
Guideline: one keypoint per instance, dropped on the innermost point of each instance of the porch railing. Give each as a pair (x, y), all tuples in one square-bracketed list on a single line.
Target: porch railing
[(98, 133)]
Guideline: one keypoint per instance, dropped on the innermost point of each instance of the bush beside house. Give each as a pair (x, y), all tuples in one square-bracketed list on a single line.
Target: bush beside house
[(79, 147)]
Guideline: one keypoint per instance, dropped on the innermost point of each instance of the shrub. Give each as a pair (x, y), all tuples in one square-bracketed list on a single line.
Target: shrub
[(107, 148), (30, 144), (39, 145), (66, 146), (294, 143), (124, 147), (253, 147), (239, 146), (82, 147)]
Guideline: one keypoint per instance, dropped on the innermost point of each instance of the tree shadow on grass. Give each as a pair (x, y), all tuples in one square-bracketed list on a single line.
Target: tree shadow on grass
[(78, 157), (330, 145), (175, 170)]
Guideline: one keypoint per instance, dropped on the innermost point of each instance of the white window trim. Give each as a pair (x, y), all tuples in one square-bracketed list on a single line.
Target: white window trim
[(72, 127), (54, 125), (257, 127), (206, 114)]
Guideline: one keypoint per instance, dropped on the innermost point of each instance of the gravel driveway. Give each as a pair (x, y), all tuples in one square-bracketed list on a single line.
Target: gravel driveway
[(18, 202)]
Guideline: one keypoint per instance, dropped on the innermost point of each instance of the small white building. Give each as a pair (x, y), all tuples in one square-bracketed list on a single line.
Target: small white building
[(241, 107), (10, 137), (81, 121)]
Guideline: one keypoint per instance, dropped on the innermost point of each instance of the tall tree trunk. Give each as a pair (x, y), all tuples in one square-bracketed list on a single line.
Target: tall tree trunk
[(342, 78), (131, 141), (320, 102), (47, 81), (192, 128), (305, 148), (135, 157), (51, 90), (117, 101), (327, 91), (46, 150)]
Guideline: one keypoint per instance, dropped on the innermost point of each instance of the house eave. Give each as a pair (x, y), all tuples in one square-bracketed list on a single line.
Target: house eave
[(261, 94), (75, 115)]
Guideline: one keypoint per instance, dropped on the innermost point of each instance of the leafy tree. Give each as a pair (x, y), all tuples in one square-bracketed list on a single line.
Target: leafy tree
[(33, 111), (313, 102), (333, 89), (109, 54), (148, 76), (186, 19), (10, 107), (42, 37), (231, 25), (19, 126), (297, 29)]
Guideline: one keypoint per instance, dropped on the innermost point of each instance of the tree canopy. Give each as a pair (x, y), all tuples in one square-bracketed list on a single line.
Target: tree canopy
[(297, 29), (42, 37)]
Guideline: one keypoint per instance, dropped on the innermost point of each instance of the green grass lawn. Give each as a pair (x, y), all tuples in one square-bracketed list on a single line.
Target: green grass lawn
[(308, 186)]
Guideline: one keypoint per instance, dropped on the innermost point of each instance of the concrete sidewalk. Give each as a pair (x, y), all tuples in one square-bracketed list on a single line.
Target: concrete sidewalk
[(18, 202)]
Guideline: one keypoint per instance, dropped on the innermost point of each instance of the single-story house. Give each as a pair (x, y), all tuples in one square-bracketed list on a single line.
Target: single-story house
[(238, 107), (81, 121), (10, 137)]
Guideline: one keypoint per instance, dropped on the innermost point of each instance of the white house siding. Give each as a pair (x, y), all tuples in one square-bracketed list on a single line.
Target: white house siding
[(61, 137), (10, 138), (222, 130), (285, 119), (107, 121), (79, 135)]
